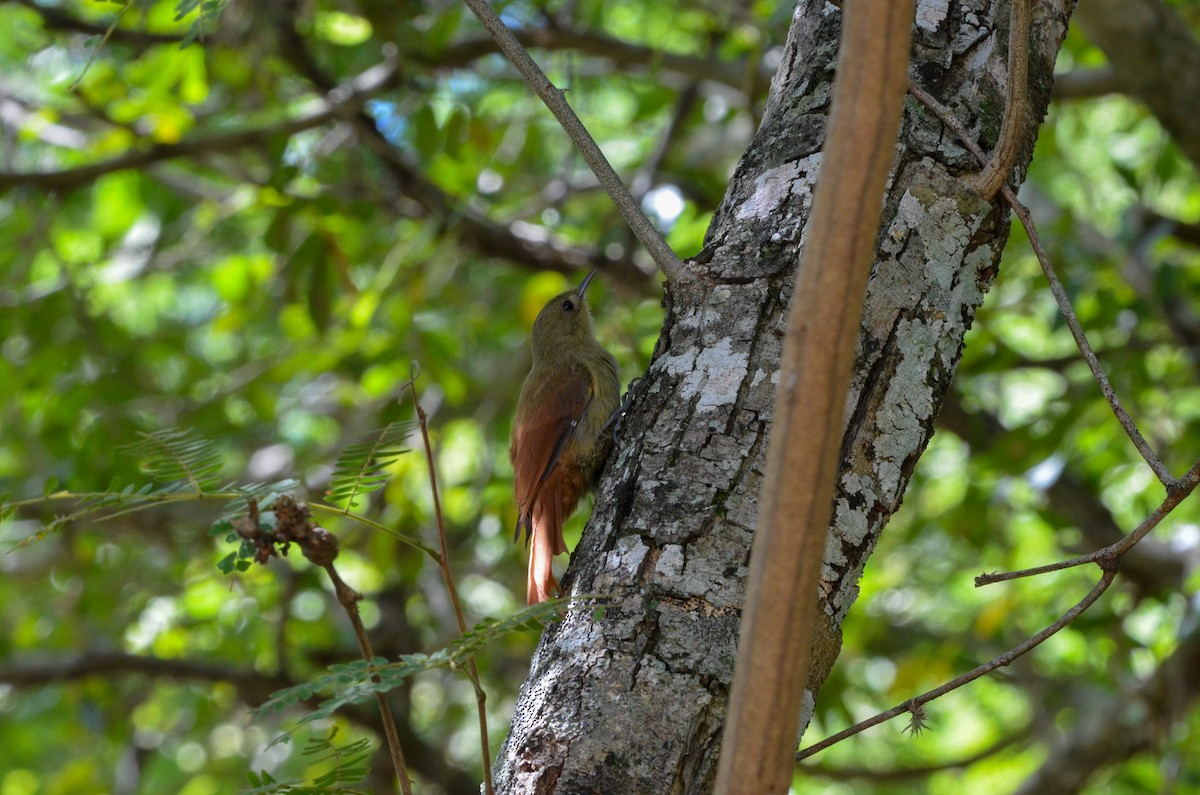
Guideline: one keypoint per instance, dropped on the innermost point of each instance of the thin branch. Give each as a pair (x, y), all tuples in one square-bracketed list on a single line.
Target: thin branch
[(1004, 659), (1064, 304), (666, 259), (56, 19), (1012, 128), (1060, 295), (841, 773), (474, 229), (451, 588), (1152, 566), (349, 599), (337, 103), (1176, 493), (1086, 84)]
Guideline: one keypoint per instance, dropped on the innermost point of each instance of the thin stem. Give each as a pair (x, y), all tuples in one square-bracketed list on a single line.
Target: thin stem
[(448, 578), (371, 523), (1060, 295), (1004, 659), (1183, 487), (554, 98), (349, 599), (1012, 128), (146, 501), (1108, 557)]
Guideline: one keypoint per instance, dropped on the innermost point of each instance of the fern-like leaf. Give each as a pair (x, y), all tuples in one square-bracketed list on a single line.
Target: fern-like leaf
[(362, 468), (349, 769), (355, 682), (177, 454)]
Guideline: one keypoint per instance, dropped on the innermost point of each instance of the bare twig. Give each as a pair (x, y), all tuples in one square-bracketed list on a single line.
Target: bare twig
[(846, 772), (451, 588), (1012, 128), (349, 599), (1004, 659), (1176, 493), (1107, 558), (554, 98), (293, 524), (1060, 295)]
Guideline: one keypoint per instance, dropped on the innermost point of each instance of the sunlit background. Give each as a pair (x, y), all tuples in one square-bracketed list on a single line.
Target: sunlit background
[(270, 286)]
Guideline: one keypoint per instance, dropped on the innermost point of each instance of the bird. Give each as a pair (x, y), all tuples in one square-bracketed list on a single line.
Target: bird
[(560, 435)]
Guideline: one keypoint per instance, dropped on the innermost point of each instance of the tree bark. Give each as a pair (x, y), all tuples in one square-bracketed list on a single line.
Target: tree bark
[(631, 697)]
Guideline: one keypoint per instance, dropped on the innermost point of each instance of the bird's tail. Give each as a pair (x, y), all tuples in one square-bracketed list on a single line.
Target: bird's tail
[(546, 543)]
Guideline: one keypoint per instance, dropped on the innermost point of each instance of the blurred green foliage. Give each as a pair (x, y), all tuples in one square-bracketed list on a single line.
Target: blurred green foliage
[(273, 297)]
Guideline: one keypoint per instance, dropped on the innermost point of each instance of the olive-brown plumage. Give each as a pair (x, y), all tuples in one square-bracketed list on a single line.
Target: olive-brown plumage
[(559, 440)]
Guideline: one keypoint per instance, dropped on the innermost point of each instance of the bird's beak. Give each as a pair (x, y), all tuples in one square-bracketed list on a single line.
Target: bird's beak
[(583, 285)]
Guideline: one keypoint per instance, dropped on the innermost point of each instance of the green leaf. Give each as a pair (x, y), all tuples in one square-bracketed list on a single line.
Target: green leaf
[(361, 468), (265, 493), (354, 682), (178, 455)]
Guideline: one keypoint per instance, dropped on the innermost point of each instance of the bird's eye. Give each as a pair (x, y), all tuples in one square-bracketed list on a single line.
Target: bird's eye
[(568, 305)]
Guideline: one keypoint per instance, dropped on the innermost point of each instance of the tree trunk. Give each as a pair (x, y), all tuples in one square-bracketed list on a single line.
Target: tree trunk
[(632, 697)]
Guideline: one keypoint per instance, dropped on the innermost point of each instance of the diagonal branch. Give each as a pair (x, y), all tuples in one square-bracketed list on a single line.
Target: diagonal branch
[(1060, 295), (666, 259), (1177, 492), (914, 705), (475, 229), (1151, 566)]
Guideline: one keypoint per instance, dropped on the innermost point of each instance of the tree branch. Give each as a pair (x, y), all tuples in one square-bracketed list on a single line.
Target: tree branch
[(1060, 295), (1177, 492), (1154, 55), (554, 98), (914, 704), (1086, 84), (338, 102), (752, 78), (1152, 567), (475, 229)]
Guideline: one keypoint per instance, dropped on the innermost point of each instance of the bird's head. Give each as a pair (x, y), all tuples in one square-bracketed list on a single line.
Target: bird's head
[(564, 323)]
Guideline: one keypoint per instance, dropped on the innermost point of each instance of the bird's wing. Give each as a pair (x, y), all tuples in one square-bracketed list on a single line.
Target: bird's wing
[(540, 438)]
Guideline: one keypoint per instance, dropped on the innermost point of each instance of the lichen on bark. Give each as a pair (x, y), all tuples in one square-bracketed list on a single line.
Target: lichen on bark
[(632, 698)]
